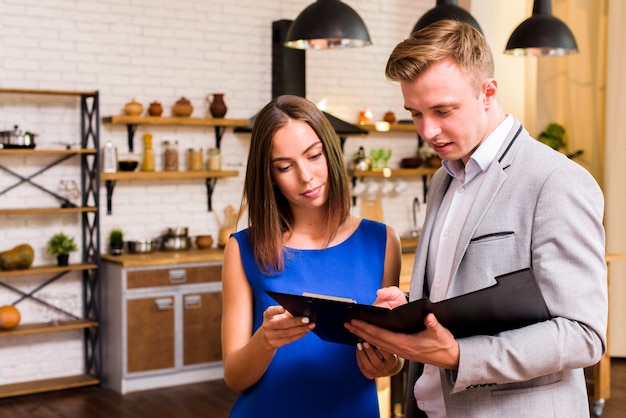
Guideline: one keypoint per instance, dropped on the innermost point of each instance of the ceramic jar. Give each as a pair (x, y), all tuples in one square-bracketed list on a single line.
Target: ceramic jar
[(155, 109), (389, 117), (182, 108), (133, 108), (217, 106)]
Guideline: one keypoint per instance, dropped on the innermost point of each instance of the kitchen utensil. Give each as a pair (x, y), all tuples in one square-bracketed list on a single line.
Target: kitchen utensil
[(179, 231), (141, 246), (127, 165), (176, 243), (416, 207), (372, 209), (17, 138)]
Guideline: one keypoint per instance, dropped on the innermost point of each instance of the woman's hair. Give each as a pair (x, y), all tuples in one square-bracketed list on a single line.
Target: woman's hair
[(436, 42), (269, 212)]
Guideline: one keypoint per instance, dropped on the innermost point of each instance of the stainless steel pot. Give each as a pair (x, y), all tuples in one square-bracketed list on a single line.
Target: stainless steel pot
[(141, 246), (176, 243), (180, 231), (17, 138)]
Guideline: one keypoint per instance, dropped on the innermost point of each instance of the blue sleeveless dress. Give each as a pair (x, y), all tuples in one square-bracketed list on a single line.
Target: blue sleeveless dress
[(312, 378)]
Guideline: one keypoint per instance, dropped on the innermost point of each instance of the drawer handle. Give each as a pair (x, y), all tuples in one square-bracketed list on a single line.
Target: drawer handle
[(164, 304), (193, 302), (178, 276)]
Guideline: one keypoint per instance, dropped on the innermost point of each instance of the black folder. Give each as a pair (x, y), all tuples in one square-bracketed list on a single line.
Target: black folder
[(513, 302)]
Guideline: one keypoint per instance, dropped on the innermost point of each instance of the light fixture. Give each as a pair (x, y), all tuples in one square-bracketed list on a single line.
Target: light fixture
[(327, 24), (541, 34), (446, 10)]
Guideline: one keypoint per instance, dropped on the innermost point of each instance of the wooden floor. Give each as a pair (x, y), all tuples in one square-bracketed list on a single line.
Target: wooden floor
[(206, 400)]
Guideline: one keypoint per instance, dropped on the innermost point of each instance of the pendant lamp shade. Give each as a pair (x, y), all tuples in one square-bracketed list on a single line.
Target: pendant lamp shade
[(327, 24), (541, 34), (446, 10)]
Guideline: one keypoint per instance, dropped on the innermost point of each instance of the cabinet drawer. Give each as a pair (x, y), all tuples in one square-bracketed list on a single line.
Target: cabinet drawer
[(173, 276)]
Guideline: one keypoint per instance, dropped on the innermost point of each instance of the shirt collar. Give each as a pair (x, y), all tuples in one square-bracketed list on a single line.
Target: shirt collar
[(483, 155)]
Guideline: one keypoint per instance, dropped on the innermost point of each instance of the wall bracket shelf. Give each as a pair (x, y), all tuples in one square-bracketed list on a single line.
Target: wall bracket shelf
[(210, 178), (132, 122)]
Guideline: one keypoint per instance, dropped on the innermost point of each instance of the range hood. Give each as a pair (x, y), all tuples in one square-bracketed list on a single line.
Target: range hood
[(289, 77)]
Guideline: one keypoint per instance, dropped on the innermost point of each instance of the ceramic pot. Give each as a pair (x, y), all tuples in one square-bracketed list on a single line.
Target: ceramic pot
[(389, 117), (182, 108), (155, 109), (63, 259), (217, 107), (133, 108)]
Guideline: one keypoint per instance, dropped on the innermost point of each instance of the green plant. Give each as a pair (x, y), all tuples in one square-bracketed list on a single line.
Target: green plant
[(554, 137), (116, 237), (60, 244)]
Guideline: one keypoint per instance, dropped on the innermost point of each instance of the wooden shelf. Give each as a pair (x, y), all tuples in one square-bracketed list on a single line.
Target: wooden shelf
[(167, 175), (37, 151), (393, 127), (131, 122), (43, 211), (396, 172), (48, 269), (40, 328), (50, 92), (210, 178), (170, 121), (46, 385)]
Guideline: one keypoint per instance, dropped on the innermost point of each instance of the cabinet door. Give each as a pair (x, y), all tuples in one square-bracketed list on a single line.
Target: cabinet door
[(202, 313), (150, 327)]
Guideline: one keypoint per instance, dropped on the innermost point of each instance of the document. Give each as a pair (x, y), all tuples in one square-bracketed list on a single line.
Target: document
[(513, 302)]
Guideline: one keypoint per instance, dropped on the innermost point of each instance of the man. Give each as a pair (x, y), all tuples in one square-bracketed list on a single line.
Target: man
[(502, 202)]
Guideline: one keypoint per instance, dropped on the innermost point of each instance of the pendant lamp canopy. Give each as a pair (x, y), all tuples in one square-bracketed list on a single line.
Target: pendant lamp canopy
[(328, 24), (446, 9), (542, 34)]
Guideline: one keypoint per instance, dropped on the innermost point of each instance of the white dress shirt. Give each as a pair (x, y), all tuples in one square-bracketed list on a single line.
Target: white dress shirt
[(449, 221)]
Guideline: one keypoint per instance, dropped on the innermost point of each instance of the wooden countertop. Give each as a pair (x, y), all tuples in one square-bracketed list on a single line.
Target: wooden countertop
[(160, 258)]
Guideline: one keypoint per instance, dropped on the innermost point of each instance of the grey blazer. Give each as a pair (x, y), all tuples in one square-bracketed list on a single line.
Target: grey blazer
[(536, 208)]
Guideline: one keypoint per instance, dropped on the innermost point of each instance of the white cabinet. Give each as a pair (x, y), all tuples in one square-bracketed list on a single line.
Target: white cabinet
[(161, 325)]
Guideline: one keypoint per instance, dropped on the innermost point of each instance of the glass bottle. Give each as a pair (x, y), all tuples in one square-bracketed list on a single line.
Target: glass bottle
[(147, 164), (214, 160), (170, 156), (194, 159)]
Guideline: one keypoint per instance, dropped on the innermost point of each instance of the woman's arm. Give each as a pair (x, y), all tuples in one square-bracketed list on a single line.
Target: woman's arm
[(246, 356)]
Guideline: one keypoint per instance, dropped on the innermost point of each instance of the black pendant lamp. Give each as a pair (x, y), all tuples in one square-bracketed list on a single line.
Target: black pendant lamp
[(328, 24), (541, 34), (446, 10)]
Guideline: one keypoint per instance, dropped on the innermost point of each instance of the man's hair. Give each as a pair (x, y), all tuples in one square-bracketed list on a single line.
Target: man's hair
[(439, 41)]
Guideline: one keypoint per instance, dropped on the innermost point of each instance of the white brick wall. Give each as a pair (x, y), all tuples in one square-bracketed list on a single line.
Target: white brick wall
[(162, 50)]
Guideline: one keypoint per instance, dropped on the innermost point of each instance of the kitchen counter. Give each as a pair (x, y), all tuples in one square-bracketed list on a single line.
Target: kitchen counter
[(160, 258)]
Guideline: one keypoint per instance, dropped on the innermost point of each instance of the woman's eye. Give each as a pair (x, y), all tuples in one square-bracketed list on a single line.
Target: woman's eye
[(283, 168), (315, 156)]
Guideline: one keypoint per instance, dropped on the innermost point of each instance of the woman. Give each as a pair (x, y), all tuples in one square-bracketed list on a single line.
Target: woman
[(301, 238)]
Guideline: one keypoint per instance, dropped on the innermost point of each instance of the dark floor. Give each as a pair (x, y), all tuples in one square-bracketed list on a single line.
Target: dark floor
[(206, 400)]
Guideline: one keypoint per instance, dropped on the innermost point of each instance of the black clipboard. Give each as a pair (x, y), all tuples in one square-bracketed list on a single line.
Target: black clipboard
[(513, 302)]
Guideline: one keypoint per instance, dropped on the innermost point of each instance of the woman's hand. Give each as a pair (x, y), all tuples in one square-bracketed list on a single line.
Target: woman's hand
[(375, 363), (280, 327)]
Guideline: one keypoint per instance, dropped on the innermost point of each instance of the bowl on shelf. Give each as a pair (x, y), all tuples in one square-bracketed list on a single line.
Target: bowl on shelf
[(204, 242), (127, 165), (411, 162)]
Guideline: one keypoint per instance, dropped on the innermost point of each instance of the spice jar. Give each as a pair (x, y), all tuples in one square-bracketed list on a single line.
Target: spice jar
[(214, 160), (194, 159), (170, 156)]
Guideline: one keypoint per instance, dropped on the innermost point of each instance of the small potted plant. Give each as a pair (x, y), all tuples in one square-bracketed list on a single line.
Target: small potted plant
[(116, 241), (60, 246)]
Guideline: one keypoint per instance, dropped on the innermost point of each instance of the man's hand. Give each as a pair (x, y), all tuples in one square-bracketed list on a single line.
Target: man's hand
[(435, 345)]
